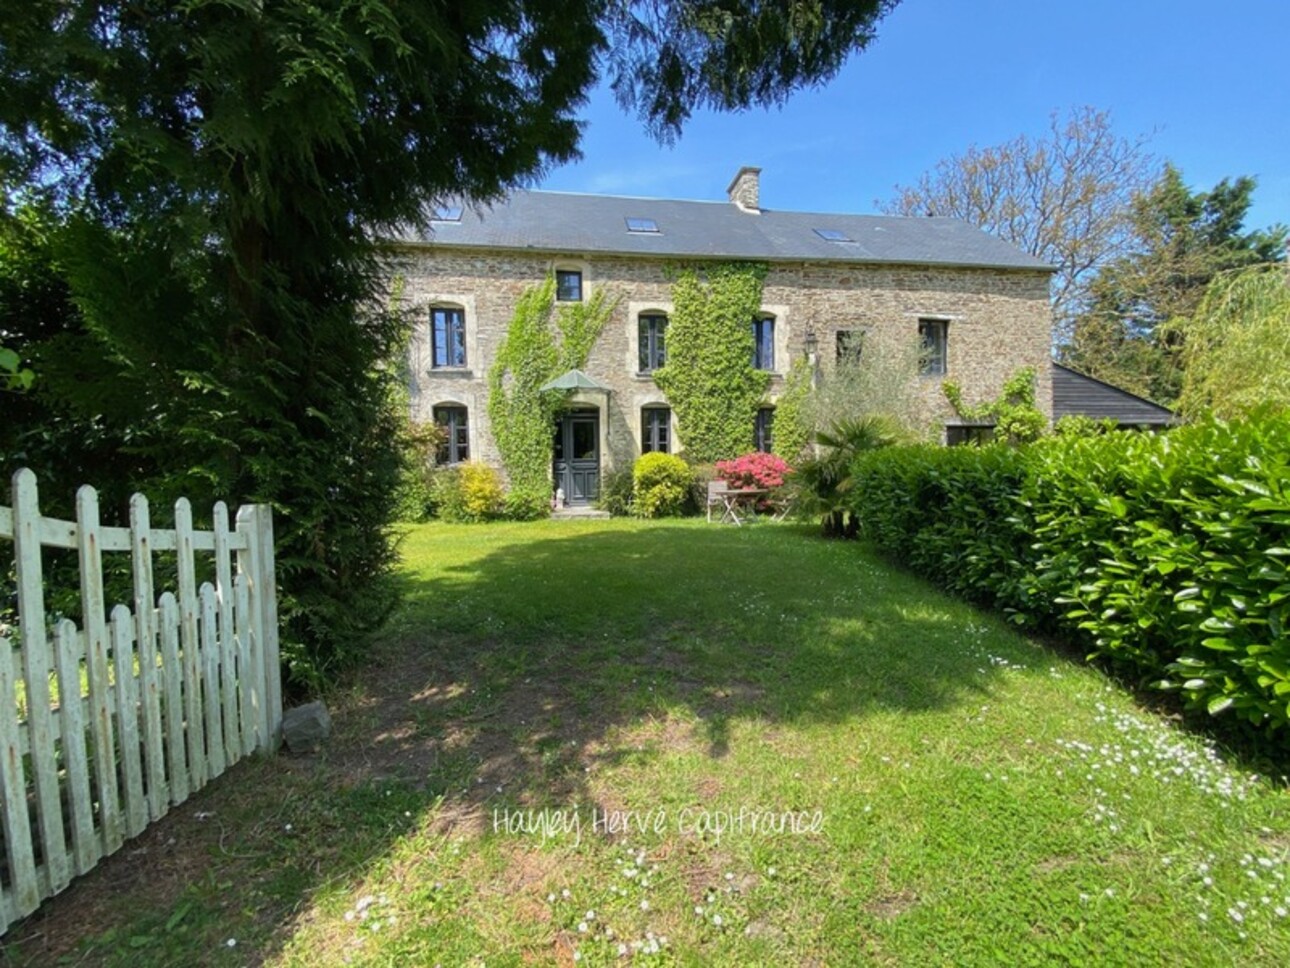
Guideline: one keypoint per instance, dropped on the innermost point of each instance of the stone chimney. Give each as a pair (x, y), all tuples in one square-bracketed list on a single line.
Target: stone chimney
[(745, 189)]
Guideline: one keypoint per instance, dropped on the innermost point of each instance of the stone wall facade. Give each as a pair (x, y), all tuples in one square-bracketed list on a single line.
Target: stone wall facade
[(997, 321)]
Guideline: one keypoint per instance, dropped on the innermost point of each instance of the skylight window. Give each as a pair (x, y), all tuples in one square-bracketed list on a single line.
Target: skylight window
[(642, 225), (446, 213), (833, 235)]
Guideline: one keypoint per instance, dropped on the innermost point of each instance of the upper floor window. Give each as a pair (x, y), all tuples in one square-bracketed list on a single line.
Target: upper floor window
[(764, 430), (653, 341), (447, 336), (568, 285), (655, 430), (850, 346), (933, 338), (763, 343), (455, 448)]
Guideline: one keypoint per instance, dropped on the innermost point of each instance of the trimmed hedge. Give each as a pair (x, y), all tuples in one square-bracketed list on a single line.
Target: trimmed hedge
[(1166, 554)]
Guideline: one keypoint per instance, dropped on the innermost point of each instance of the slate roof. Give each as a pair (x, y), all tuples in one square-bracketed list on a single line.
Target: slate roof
[(572, 224), (1075, 393)]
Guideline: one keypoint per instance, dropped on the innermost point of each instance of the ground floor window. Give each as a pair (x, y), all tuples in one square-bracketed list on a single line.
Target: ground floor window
[(959, 435), (763, 430), (655, 430), (455, 448)]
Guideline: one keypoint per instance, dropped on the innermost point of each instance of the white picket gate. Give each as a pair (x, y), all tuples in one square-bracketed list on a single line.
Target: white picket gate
[(124, 717)]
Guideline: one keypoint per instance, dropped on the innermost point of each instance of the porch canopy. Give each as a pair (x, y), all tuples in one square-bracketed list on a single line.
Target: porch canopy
[(574, 380)]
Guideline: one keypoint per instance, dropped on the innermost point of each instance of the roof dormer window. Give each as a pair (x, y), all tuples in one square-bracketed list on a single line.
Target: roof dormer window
[(642, 226), (446, 213)]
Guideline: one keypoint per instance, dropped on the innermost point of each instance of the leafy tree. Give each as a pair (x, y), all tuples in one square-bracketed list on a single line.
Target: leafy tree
[(1182, 241), (1065, 198), (881, 380), (13, 375), (1236, 345), (221, 173)]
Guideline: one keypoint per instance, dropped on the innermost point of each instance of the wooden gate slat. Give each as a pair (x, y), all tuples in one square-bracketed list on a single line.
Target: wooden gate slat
[(94, 621), (35, 653), (86, 848)]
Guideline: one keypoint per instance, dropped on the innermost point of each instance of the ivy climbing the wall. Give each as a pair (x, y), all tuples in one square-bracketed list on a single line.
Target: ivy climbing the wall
[(792, 420), (541, 343), (709, 377), (1017, 420)]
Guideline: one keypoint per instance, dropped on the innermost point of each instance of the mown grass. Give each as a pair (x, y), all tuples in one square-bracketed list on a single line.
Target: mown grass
[(982, 799)]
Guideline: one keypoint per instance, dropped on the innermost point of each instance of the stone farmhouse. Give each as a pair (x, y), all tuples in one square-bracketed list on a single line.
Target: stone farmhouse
[(979, 305)]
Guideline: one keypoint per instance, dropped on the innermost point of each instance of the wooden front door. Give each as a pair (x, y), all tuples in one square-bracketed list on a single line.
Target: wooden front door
[(577, 457)]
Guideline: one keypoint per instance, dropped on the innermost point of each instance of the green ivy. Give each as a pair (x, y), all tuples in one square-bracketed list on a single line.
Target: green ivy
[(792, 422), (1017, 420), (709, 378), (540, 344)]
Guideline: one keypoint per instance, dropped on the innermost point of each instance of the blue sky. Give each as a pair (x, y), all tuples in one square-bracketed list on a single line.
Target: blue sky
[(1208, 82)]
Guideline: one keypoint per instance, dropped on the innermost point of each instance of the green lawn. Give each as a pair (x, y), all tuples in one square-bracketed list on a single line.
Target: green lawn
[(980, 799)]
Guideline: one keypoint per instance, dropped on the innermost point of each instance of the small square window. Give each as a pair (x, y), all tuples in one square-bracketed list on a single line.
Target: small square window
[(568, 285), (933, 337), (833, 235), (642, 225)]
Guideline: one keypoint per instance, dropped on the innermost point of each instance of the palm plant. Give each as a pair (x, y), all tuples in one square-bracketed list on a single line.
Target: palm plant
[(823, 481)]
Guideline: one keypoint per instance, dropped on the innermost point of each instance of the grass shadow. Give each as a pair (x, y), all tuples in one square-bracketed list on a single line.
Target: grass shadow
[(545, 654)]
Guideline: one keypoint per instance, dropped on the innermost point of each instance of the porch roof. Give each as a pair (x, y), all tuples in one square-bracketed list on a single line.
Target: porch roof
[(574, 380)]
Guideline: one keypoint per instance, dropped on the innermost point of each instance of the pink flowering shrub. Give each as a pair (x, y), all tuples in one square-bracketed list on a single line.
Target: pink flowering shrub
[(765, 471)]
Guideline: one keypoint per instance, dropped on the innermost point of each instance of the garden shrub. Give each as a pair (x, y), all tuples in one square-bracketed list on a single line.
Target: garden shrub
[(661, 485), (757, 469), (526, 505), (1165, 554), (616, 492), (701, 475), (469, 493)]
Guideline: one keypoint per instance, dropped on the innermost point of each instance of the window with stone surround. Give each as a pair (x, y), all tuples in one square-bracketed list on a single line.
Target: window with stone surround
[(452, 420), (656, 434), (652, 341), (933, 337), (447, 337), (568, 285), (764, 430), (763, 329)]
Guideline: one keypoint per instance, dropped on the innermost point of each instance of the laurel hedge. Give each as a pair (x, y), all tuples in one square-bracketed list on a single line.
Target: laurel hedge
[(1168, 554)]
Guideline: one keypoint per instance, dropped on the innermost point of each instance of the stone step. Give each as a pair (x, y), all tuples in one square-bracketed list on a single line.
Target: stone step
[(579, 512)]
